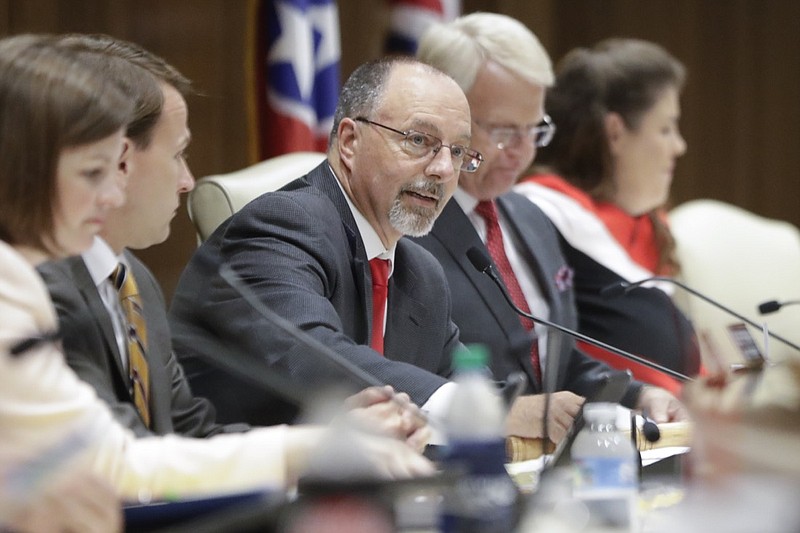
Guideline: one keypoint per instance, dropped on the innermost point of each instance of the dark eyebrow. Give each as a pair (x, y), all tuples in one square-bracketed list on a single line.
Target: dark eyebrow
[(425, 127)]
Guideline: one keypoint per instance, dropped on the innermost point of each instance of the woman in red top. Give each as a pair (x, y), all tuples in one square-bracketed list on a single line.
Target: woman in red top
[(603, 181)]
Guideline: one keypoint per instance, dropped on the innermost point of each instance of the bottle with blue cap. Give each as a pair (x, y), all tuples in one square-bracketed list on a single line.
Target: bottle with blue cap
[(606, 469)]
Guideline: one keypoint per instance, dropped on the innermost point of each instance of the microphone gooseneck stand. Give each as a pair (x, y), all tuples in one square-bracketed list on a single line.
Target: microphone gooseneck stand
[(623, 287), (482, 263)]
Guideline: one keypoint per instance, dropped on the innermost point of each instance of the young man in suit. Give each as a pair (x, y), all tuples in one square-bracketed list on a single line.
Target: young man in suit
[(504, 72), (157, 175), (401, 134)]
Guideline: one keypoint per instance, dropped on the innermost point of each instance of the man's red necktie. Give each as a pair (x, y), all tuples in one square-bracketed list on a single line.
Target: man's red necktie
[(494, 242), (380, 292)]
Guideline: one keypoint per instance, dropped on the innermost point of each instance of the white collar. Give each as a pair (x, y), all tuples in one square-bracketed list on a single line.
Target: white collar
[(372, 242), (465, 200), (101, 261)]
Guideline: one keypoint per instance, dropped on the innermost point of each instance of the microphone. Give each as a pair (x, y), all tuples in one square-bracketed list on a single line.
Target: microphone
[(25, 345), (294, 332), (771, 306), (649, 431), (311, 345), (650, 428), (515, 384), (483, 264), (623, 287), (76, 324)]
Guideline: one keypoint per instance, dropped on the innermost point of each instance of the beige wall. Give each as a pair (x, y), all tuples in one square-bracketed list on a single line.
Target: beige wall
[(741, 105)]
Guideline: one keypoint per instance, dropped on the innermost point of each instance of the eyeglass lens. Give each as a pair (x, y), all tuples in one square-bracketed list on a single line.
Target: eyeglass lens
[(421, 144)]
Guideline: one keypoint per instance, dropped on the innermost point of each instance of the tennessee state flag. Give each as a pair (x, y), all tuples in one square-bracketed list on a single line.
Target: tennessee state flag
[(410, 18), (300, 83)]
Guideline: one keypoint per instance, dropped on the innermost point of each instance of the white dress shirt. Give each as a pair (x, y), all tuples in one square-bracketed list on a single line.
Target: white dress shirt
[(439, 401), (100, 262)]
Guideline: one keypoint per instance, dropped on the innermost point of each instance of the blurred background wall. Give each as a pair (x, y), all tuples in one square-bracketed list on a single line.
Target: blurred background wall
[(741, 107)]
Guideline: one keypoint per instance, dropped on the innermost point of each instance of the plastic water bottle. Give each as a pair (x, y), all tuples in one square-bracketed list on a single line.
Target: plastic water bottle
[(606, 469), (483, 499)]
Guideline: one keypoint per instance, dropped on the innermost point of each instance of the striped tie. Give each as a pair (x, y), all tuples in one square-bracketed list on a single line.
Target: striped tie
[(137, 339)]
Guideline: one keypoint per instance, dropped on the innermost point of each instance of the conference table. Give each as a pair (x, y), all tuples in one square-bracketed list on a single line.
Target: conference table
[(741, 472)]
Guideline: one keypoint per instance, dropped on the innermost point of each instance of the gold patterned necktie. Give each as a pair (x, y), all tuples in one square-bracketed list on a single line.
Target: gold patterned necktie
[(136, 333)]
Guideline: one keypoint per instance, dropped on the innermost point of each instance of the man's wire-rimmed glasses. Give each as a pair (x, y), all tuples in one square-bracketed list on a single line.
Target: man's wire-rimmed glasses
[(420, 144), (508, 136)]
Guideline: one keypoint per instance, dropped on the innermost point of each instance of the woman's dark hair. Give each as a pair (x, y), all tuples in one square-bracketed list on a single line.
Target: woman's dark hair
[(623, 76), (51, 98)]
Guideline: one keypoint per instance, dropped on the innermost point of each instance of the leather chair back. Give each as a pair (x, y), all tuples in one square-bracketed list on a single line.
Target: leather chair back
[(217, 197)]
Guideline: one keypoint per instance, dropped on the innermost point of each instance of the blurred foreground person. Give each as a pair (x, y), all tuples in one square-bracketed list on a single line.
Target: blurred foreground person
[(80, 502)]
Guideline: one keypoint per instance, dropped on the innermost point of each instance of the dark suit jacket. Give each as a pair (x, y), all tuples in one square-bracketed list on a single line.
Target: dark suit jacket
[(483, 315), (644, 321), (92, 352), (299, 250)]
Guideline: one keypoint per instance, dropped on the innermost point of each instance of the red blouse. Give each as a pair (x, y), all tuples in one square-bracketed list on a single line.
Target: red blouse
[(635, 234)]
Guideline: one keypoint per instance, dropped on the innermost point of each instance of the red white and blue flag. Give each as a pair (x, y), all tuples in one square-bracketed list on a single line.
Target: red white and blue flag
[(301, 77), (410, 18)]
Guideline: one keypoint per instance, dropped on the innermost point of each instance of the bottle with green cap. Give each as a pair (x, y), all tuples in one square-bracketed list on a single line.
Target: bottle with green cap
[(484, 497), (476, 410)]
